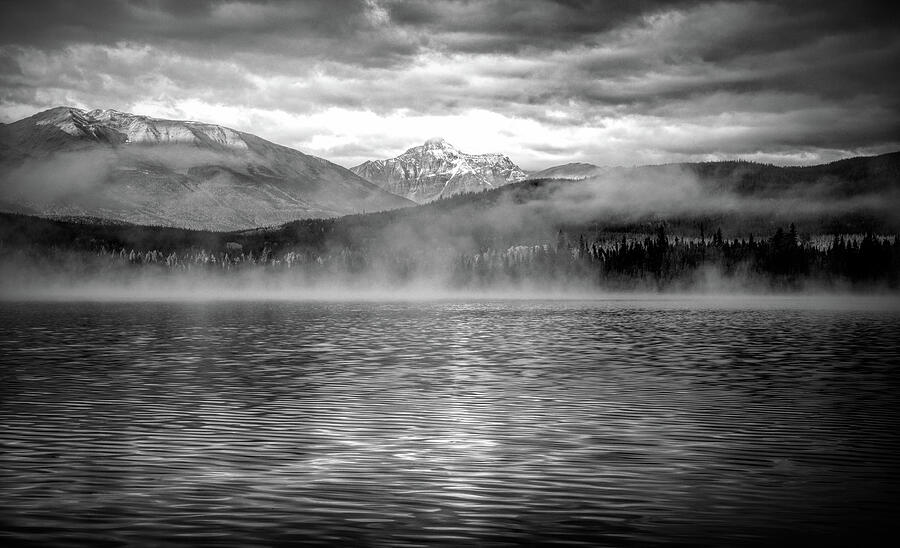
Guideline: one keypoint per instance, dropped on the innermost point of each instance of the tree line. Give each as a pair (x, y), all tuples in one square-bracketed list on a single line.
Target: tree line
[(660, 261), (648, 261)]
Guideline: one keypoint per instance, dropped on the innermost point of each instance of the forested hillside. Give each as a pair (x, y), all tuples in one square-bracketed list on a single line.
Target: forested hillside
[(654, 227)]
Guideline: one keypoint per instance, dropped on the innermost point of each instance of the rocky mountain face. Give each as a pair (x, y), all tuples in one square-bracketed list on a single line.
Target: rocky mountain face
[(438, 170), (115, 165)]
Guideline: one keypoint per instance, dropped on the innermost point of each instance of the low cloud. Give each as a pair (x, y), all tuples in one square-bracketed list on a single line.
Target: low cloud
[(61, 177), (675, 191), (80, 177)]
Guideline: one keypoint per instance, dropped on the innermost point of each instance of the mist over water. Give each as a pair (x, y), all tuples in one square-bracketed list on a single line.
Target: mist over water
[(618, 422), (710, 288)]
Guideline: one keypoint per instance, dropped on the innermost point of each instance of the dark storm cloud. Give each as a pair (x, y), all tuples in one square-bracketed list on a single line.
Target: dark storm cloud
[(343, 29), (662, 79), (510, 25), (351, 27)]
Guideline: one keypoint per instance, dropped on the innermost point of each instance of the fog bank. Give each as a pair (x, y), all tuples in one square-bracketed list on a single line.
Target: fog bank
[(711, 289)]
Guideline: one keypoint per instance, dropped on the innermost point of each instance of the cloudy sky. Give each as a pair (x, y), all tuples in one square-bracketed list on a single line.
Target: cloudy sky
[(546, 82)]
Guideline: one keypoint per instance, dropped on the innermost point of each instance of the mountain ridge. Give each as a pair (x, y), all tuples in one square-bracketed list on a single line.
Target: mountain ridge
[(572, 170), (146, 170)]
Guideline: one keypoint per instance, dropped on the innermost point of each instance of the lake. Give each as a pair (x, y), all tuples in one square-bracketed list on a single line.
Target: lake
[(611, 422)]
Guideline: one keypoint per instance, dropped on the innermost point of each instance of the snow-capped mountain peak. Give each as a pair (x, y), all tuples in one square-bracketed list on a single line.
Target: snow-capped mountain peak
[(437, 169)]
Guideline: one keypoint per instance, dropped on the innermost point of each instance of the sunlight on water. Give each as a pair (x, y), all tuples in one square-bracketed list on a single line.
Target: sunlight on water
[(392, 424)]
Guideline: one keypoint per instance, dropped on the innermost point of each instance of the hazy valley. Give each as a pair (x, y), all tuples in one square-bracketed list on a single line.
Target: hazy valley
[(710, 226), (124, 196)]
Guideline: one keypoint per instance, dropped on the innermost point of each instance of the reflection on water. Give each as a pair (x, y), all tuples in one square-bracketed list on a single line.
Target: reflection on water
[(446, 423)]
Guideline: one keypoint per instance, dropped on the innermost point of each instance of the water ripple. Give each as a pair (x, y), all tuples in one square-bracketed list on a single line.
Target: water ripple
[(450, 423)]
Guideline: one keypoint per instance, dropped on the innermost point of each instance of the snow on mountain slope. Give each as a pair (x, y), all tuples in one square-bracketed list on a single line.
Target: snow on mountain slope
[(110, 164), (437, 170)]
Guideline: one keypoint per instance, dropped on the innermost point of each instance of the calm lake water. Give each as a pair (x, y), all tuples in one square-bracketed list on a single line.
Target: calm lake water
[(451, 423)]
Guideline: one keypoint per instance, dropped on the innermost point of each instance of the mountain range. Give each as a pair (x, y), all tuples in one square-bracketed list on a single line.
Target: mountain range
[(105, 164), (437, 169), (849, 197), (68, 162)]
